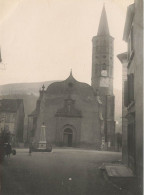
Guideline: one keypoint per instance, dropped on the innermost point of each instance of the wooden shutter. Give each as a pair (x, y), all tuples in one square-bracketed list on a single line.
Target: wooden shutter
[(125, 93)]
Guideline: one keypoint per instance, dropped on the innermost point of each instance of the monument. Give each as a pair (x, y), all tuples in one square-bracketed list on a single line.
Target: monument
[(42, 141)]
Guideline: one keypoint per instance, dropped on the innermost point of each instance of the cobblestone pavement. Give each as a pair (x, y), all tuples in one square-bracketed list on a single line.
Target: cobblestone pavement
[(61, 172)]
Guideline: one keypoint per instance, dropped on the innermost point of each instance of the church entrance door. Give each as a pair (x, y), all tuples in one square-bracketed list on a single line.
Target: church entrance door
[(68, 137)]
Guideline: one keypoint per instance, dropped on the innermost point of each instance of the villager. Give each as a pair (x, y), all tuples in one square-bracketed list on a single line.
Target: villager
[(8, 150)]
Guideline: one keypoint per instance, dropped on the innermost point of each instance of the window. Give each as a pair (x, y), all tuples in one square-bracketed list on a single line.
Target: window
[(131, 35), (130, 43), (125, 93), (7, 118), (104, 66), (69, 108), (130, 88)]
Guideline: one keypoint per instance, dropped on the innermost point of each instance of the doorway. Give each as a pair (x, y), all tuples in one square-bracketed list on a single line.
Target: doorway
[(68, 137)]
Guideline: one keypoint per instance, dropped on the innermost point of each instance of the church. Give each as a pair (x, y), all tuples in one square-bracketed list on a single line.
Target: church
[(76, 114)]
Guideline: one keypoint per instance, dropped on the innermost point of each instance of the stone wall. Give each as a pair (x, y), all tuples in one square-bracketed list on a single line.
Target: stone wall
[(138, 59), (87, 127)]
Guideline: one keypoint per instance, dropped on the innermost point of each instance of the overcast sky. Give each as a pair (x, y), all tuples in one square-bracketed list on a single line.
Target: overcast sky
[(43, 39)]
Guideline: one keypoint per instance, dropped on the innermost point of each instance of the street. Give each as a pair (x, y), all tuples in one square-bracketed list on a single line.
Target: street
[(61, 172)]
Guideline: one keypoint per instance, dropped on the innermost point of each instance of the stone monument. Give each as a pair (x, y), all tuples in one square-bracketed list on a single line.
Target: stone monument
[(42, 142)]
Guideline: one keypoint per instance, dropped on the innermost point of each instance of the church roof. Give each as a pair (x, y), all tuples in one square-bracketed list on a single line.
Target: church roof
[(70, 85), (103, 28)]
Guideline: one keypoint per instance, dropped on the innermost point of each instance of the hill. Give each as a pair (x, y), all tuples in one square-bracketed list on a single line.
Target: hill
[(23, 88)]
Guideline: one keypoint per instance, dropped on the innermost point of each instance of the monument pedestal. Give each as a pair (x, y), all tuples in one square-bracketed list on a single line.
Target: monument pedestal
[(42, 145), (42, 142)]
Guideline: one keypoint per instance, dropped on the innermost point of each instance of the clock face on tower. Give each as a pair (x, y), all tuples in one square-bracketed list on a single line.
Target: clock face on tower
[(104, 82), (104, 73)]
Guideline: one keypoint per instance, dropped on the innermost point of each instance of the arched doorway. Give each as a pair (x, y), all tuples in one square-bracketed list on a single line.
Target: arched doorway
[(68, 137)]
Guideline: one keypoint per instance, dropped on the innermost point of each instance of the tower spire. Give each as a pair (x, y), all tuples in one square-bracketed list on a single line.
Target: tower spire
[(103, 25)]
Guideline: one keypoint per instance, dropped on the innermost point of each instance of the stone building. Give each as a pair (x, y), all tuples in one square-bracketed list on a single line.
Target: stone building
[(12, 118), (133, 92), (102, 75), (123, 58), (77, 114)]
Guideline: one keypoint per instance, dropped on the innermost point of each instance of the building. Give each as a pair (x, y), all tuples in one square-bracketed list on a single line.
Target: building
[(133, 92), (123, 58), (77, 114), (102, 75), (12, 118)]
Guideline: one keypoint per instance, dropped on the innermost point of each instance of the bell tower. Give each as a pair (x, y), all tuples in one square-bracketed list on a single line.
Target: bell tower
[(102, 77), (102, 58)]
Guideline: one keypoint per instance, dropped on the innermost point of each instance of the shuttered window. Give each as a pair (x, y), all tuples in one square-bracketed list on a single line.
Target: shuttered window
[(125, 93), (130, 86)]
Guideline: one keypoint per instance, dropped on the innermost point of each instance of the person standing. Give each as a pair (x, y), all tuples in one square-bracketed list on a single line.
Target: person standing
[(8, 150), (30, 148)]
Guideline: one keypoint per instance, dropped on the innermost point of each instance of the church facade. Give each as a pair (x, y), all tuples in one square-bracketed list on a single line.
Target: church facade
[(76, 114)]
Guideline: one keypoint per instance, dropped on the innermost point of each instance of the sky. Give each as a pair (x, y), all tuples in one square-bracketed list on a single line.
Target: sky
[(42, 40)]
